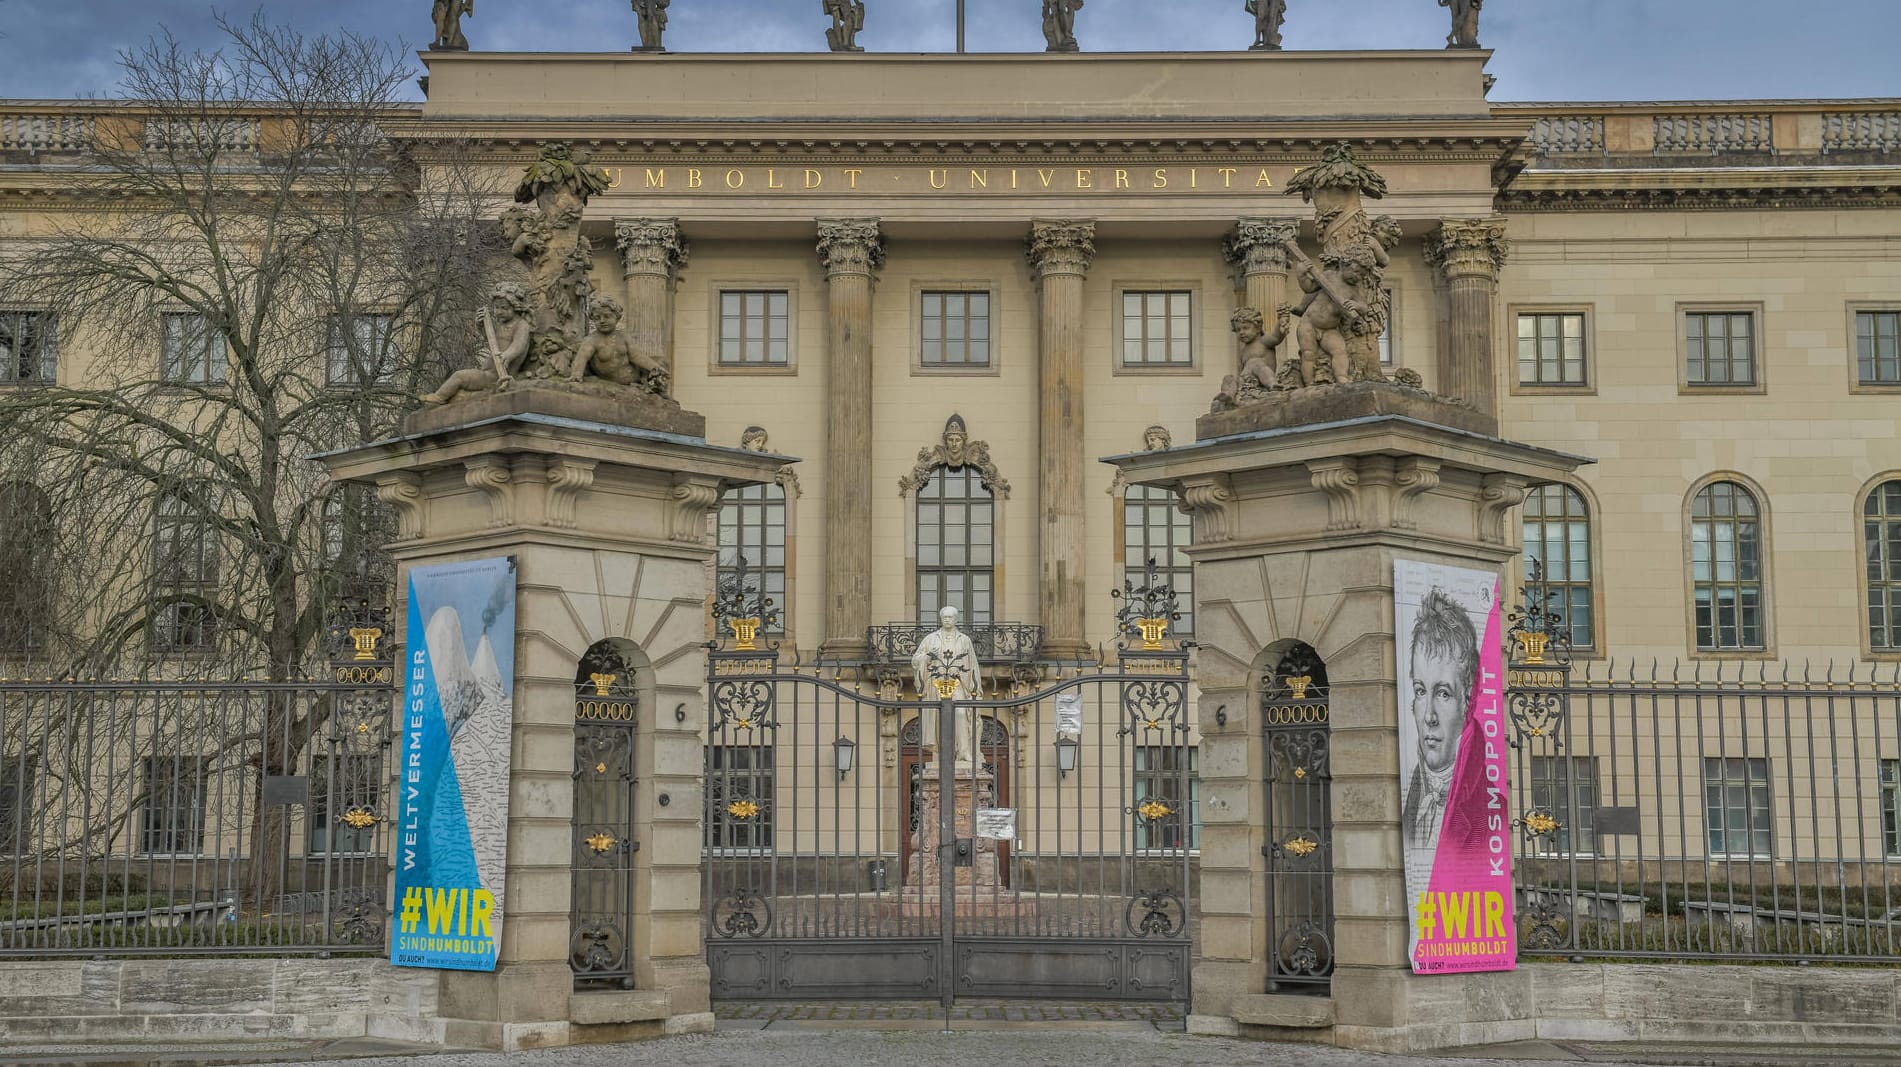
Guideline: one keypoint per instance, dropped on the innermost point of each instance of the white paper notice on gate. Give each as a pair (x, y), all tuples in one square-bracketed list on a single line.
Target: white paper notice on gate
[(1069, 713), (997, 824)]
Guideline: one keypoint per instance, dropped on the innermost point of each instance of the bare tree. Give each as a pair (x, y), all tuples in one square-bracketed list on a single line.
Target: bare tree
[(258, 273)]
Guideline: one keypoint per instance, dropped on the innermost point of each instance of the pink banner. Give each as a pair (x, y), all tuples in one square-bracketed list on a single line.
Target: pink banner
[(1464, 921)]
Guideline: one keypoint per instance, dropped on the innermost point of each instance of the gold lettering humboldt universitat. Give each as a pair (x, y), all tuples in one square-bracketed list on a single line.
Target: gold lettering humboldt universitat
[(643, 179)]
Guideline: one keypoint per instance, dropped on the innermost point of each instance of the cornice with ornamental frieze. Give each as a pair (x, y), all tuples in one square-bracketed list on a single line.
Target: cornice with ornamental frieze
[(850, 246), (1465, 247), (1259, 244), (1061, 246), (651, 246)]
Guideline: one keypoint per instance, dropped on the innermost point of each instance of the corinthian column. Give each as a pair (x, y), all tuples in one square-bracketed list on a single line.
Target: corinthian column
[(651, 255), (1469, 254), (1257, 251), (851, 251), (1060, 251)]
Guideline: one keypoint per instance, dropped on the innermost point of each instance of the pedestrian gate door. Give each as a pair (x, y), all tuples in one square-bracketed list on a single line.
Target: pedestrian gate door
[(1060, 866)]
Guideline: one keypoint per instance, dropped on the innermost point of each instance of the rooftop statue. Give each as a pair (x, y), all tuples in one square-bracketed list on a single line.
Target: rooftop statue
[(1059, 24), (652, 18), (447, 15), (538, 331), (848, 20), (1465, 23), (1268, 16)]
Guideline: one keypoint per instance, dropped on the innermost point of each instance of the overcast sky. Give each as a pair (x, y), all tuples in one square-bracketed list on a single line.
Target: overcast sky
[(1546, 49)]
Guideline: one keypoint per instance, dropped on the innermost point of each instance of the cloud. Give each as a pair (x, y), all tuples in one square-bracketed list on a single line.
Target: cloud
[(1545, 49)]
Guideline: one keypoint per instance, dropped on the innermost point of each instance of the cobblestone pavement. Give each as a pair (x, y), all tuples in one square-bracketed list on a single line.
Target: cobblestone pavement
[(768, 1015)]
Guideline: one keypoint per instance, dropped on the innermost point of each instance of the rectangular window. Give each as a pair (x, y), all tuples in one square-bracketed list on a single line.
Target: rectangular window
[(752, 536), (1878, 347), (192, 352), (349, 783), (1386, 329), (1736, 806), (1891, 807), (956, 546), (184, 574), (16, 804), (739, 789), (954, 329), (29, 347), (1720, 347), (1156, 329), (1551, 349), (1154, 527), (1168, 776), (172, 821), (359, 351), (754, 328), (1567, 788)]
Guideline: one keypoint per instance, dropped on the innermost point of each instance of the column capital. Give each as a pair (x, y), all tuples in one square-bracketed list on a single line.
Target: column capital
[(1259, 244), (650, 246), (1061, 246), (1469, 247), (850, 246)]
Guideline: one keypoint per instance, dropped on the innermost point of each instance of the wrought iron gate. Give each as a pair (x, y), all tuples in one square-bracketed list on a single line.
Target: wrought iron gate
[(1297, 745), (1068, 840), (606, 713)]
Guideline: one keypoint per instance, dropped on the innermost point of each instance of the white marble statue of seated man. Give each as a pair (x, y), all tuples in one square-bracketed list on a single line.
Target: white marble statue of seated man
[(957, 658)]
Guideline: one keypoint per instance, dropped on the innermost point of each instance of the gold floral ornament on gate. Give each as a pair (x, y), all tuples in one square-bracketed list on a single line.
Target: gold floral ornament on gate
[(1146, 609), (359, 818), (600, 842), (1301, 845), (742, 809), (1540, 822), (1154, 810)]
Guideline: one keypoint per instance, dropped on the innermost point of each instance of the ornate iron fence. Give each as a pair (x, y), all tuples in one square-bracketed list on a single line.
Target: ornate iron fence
[(198, 818), (1720, 811), (1297, 751)]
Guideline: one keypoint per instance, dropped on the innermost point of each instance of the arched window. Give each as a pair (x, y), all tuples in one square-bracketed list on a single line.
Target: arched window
[(184, 571), (956, 545), (26, 565), (752, 529), (1726, 568), (1881, 545), (1154, 527), (1558, 547)]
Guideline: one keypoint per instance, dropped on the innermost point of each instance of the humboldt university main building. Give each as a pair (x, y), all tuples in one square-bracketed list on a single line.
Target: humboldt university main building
[(925, 297)]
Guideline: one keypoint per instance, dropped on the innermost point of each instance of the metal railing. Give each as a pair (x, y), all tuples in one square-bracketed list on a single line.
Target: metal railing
[(194, 818), (995, 642), (1722, 810)]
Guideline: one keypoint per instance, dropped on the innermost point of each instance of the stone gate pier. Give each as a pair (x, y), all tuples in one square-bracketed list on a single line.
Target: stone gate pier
[(1301, 505), (604, 508)]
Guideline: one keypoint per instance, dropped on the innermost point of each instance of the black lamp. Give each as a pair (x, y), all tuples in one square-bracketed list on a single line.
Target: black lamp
[(844, 748), (1066, 748)]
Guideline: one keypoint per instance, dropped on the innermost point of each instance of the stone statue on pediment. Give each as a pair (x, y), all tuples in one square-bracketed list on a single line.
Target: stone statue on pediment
[(1465, 23), (651, 16), (447, 16), (1268, 16), (1059, 25), (848, 20)]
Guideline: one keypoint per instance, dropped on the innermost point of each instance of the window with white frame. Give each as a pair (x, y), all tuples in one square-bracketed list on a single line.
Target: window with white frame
[(1566, 786), (1170, 774), (29, 347), (1878, 347), (1558, 548), (956, 545), (1551, 348), (172, 820), (191, 352), (751, 526), (184, 572), (954, 328), (1726, 568), (360, 350), (1720, 347), (1881, 553), (1157, 328), (1154, 527), (1386, 329), (755, 328), (1737, 814), (739, 791), (1891, 807)]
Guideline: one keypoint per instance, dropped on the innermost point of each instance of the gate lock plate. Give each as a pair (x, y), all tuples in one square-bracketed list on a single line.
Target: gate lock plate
[(966, 851)]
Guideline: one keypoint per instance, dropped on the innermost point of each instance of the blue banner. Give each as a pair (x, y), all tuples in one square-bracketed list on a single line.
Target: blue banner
[(458, 712)]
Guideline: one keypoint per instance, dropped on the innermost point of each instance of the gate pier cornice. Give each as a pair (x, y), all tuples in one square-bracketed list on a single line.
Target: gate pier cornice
[(1301, 508), (607, 524)]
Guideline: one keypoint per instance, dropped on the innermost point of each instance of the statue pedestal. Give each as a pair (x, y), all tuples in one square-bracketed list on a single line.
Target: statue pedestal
[(978, 889)]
